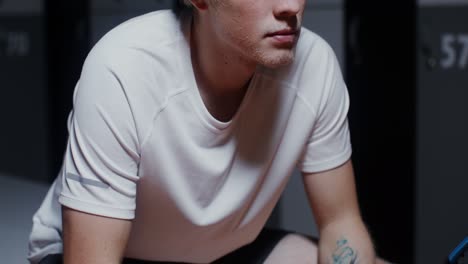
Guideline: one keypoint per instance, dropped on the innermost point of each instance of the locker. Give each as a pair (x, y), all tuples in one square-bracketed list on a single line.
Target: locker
[(67, 46), (126, 6), (441, 220), (22, 7), (24, 149), (408, 80)]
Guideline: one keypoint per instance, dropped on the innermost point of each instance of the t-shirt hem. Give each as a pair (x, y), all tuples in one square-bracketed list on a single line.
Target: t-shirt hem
[(328, 164), (96, 209), (37, 257)]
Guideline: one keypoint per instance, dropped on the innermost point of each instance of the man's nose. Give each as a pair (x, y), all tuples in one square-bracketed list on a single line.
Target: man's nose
[(288, 8)]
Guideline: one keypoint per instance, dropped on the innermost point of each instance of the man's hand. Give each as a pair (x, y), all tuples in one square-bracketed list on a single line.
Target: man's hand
[(343, 236), (93, 239)]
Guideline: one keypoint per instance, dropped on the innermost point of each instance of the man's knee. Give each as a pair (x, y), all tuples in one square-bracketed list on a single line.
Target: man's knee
[(294, 248)]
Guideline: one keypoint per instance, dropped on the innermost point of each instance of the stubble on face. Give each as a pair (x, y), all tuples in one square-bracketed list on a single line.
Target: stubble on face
[(280, 58), (242, 27), (266, 54)]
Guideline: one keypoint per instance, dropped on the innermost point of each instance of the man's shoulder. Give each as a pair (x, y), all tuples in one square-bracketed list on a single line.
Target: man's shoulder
[(162, 25), (149, 35), (140, 55), (312, 44)]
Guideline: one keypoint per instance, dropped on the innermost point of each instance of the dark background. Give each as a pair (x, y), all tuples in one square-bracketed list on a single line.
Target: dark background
[(406, 66)]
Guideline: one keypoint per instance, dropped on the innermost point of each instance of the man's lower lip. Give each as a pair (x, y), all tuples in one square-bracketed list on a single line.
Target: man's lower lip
[(284, 38)]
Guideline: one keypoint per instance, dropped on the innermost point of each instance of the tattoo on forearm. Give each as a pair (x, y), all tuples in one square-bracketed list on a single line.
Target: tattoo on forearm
[(344, 254)]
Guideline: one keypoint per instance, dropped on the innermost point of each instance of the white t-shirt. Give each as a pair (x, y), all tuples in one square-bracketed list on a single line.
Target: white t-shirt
[(143, 146)]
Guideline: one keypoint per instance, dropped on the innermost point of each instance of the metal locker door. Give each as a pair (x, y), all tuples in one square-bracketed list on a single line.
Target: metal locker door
[(442, 178), (24, 148)]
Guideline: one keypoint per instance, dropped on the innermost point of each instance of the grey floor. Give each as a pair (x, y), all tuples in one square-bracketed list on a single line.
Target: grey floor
[(19, 199)]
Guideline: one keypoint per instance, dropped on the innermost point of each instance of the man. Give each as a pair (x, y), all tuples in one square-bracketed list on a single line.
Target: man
[(184, 132)]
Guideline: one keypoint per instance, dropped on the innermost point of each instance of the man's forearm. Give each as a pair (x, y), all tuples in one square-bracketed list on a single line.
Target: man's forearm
[(346, 242)]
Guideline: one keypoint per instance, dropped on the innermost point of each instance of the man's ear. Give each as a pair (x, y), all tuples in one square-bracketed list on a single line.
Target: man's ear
[(200, 4)]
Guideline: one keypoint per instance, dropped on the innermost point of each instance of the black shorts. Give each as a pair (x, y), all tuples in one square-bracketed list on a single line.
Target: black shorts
[(253, 253)]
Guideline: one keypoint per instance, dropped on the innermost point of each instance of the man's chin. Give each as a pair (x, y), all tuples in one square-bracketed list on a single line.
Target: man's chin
[(280, 60)]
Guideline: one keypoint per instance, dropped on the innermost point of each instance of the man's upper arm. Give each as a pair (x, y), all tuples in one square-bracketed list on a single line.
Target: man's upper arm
[(92, 239), (332, 194)]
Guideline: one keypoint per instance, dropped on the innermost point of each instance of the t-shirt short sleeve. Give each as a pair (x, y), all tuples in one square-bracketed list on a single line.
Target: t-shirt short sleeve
[(329, 145), (100, 168)]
